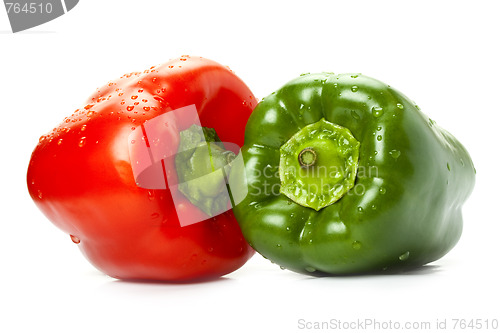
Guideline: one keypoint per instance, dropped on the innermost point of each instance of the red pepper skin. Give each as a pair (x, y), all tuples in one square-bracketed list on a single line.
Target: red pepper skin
[(80, 176)]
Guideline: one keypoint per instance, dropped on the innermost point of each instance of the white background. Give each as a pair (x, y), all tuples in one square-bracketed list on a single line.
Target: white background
[(442, 54)]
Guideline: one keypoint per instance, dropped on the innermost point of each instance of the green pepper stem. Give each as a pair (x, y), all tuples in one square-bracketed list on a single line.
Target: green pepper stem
[(332, 151), (307, 157), (202, 164)]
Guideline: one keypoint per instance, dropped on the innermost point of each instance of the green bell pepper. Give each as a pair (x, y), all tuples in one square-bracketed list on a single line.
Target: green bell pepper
[(345, 175)]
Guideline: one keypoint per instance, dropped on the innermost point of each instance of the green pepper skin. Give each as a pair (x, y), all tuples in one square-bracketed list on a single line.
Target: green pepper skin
[(405, 208)]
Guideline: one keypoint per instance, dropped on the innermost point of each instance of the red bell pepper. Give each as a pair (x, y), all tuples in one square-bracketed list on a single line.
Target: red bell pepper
[(82, 178)]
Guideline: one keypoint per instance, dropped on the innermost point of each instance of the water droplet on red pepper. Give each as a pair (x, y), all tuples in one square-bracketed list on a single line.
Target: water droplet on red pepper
[(82, 142), (151, 195), (159, 99), (75, 239), (130, 108)]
